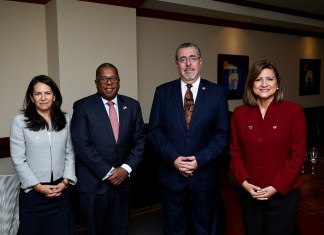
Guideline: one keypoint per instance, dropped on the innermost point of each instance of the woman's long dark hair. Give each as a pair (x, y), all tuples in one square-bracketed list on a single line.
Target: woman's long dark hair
[(34, 120)]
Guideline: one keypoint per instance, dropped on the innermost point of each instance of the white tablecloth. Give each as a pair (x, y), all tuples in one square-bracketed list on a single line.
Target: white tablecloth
[(9, 193)]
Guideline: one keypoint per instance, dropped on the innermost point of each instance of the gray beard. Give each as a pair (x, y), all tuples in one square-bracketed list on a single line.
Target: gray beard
[(189, 78)]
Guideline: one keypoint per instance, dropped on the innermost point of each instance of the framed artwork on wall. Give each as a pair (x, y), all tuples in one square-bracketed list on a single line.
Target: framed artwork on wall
[(232, 73), (309, 76)]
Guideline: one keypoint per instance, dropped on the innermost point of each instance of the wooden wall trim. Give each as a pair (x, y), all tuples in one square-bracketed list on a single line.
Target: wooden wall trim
[(256, 5), (43, 2), (158, 14), (267, 7), (212, 21), (4, 147), (123, 3)]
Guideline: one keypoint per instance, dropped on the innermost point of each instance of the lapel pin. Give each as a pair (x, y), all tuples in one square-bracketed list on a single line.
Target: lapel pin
[(203, 88), (250, 127), (125, 107), (274, 127)]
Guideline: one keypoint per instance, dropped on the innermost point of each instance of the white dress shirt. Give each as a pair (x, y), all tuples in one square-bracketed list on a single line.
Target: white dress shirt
[(125, 166), (194, 89)]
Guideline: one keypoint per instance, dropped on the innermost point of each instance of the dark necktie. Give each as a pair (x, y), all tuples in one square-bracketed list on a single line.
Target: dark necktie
[(113, 119), (188, 104)]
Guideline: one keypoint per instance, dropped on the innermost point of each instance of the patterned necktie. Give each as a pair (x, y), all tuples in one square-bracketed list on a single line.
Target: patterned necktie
[(113, 119), (188, 104)]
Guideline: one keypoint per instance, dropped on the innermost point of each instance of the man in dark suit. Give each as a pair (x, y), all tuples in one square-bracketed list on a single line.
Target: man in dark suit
[(108, 148), (189, 144)]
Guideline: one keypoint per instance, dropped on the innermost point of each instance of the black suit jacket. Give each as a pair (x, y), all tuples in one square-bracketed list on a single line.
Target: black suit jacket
[(206, 137), (94, 143)]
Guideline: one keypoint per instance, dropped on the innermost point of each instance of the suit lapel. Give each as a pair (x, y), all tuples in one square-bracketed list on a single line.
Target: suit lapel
[(123, 115), (179, 102), (122, 108), (198, 102)]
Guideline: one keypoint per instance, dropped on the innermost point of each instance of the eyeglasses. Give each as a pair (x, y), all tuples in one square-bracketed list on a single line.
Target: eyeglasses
[(103, 80), (192, 59)]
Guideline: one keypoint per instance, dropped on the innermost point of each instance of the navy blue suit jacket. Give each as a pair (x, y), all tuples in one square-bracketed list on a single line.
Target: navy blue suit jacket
[(205, 139), (94, 143)]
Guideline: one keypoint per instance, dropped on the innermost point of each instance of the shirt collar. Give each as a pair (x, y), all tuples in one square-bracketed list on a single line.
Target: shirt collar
[(195, 85), (106, 101)]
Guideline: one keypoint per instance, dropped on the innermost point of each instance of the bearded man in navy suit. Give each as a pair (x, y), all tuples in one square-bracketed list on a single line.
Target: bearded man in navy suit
[(189, 149), (105, 160)]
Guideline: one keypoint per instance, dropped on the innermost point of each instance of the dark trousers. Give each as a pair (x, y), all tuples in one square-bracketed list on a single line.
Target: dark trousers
[(191, 212), (276, 216), (100, 209), (40, 215)]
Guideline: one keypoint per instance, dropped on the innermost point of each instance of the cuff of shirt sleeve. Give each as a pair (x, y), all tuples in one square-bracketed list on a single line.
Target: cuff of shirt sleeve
[(127, 168), (108, 174)]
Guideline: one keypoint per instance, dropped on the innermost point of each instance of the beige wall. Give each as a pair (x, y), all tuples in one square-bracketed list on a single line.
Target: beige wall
[(22, 55), (88, 35), (68, 39), (158, 39)]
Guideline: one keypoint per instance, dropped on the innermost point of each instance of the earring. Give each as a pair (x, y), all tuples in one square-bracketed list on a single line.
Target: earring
[(277, 88)]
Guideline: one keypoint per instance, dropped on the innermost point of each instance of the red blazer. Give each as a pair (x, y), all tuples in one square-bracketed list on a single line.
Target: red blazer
[(268, 151)]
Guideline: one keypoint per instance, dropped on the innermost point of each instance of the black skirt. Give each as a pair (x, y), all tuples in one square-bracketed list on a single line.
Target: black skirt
[(40, 215)]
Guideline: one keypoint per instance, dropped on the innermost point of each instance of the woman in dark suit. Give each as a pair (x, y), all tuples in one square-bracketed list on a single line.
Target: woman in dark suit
[(268, 145), (43, 158)]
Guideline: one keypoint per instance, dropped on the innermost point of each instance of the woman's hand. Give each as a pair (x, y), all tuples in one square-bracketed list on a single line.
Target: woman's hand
[(259, 193), (49, 191), (266, 193)]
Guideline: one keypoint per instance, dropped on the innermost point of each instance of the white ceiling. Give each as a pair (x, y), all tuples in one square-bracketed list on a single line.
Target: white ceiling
[(312, 21)]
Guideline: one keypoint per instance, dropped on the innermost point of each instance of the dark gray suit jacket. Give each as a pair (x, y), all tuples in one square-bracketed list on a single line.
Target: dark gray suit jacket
[(94, 143), (206, 137)]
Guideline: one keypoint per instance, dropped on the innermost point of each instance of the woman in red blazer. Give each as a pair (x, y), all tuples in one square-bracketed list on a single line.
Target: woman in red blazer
[(267, 147)]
